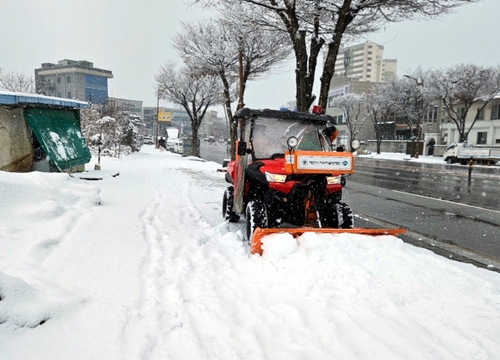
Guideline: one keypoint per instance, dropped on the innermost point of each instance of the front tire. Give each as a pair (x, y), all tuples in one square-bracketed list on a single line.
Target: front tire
[(256, 216), (227, 206), (338, 216), (347, 217)]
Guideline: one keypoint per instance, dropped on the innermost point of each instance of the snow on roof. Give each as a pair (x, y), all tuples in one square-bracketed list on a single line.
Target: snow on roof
[(17, 98)]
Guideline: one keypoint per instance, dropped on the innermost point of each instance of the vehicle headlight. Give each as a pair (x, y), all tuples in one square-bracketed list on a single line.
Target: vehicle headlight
[(275, 177), (333, 180), (292, 142)]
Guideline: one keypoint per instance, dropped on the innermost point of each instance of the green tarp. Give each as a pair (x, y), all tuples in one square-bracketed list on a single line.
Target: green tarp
[(60, 136)]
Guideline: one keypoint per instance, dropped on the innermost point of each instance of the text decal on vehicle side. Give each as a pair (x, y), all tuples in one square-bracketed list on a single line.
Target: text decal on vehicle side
[(289, 159), (323, 163)]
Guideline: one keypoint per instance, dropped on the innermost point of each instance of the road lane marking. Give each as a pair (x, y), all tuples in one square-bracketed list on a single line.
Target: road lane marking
[(446, 201)]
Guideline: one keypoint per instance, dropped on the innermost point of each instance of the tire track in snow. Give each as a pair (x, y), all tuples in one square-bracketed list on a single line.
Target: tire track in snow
[(140, 332), (164, 266)]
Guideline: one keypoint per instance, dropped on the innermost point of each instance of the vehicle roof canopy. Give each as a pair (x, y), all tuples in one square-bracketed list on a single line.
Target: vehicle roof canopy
[(284, 115)]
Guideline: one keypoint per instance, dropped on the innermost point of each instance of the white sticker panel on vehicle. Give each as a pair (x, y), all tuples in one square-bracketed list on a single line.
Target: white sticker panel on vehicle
[(289, 159), (323, 162)]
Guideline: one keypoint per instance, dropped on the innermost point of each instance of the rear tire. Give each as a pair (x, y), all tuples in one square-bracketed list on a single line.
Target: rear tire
[(256, 216), (227, 206)]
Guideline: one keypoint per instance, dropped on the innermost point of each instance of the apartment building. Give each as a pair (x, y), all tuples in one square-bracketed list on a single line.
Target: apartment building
[(73, 79), (365, 62)]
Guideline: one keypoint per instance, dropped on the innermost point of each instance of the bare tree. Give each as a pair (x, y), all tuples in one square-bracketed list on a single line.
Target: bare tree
[(194, 92), (232, 52), (353, 109), (410, 98), (379, 113), (312, 24), (17, 82), (462, 86)]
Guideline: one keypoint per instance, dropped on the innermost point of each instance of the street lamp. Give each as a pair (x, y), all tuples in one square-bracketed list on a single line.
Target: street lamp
[(420, 84)]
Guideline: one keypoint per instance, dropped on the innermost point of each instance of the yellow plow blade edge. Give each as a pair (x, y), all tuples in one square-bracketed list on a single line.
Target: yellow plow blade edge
[(256, 245)]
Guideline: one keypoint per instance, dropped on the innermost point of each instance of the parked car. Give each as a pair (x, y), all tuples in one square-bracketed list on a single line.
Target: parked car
[(148, 140)]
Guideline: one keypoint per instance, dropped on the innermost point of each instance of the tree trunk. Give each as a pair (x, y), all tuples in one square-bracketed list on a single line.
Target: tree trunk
[(194, 138), (345, 17), (229, 116), (302, 95)]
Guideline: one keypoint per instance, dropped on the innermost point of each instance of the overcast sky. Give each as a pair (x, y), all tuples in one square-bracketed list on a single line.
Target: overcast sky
[(132, 38)]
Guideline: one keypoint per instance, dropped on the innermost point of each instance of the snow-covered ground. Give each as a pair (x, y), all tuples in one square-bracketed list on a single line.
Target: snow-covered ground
[(141, 266), (405, 157), (421, 159)]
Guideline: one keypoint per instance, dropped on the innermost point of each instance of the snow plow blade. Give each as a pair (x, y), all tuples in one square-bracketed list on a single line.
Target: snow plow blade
[(256, 245)]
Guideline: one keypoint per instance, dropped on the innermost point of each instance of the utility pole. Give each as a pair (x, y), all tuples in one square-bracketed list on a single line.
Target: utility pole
[(157, 116)]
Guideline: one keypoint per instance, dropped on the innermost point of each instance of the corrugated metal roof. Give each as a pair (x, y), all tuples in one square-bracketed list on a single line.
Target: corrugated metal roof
[(15, 98)]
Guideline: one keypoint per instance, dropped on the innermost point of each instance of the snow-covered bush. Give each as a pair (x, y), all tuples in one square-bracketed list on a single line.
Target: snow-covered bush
[(113, 135)]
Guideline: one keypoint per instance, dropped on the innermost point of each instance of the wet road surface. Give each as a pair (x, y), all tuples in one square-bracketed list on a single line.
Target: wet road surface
[(447, 182)]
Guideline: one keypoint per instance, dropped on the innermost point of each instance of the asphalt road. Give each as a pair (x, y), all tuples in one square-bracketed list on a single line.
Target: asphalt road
[(461, 229), (447, 182)]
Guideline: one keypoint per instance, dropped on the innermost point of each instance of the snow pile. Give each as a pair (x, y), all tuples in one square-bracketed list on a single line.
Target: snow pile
[(141, 266), (405, 157)]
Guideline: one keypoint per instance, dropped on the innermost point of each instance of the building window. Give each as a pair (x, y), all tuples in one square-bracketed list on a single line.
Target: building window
[(69, 94), (482, 138), (495, 112), (480, 116), (432, 114), (68, 79), (460, 112), (339, 119), (58, 80)]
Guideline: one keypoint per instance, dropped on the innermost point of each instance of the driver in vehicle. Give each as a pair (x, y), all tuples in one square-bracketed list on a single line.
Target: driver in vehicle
[(328, 137)]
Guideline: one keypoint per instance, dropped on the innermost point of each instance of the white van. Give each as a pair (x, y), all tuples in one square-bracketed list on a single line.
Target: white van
[(171, 144), (178, 146)]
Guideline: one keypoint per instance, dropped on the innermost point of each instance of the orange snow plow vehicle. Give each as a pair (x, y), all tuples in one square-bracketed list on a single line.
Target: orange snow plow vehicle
[(287, 177)]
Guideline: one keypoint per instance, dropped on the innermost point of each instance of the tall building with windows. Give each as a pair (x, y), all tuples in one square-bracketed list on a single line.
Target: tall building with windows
[(365, 62), (357, 70), (73, 79)]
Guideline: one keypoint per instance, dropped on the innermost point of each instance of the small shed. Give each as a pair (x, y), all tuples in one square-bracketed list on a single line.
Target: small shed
[(30, 122)]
